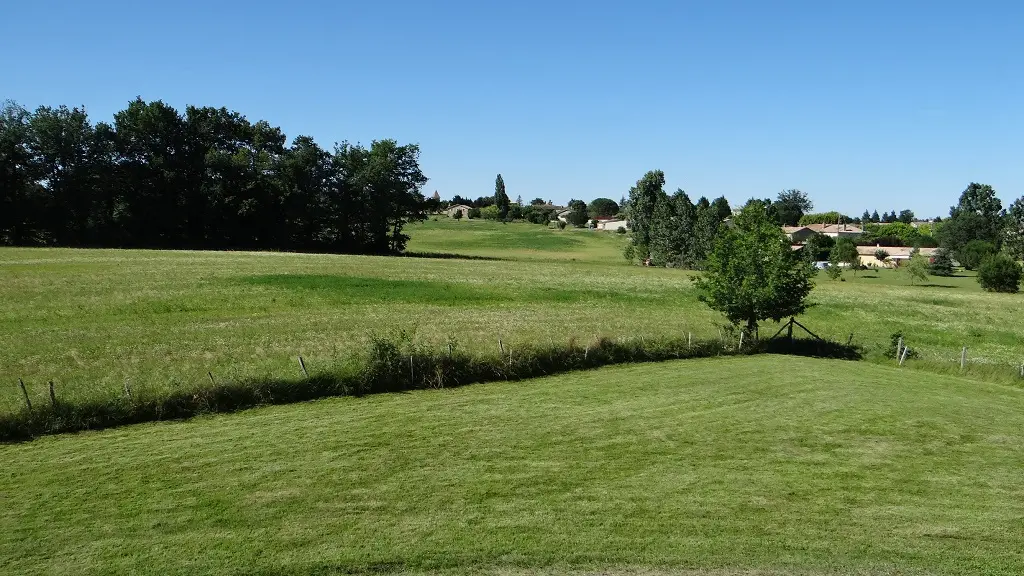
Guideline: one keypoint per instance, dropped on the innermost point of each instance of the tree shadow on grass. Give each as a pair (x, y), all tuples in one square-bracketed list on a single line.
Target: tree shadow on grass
[(936, 286), (449, 256)]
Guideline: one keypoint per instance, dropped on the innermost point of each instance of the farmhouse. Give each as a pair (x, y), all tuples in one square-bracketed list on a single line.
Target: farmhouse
[(459, 208), (798, 234), (612, 225), (898, 255)]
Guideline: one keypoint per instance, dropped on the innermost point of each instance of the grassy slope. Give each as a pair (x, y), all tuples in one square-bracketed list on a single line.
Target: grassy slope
[(92, 319), (768, 462)]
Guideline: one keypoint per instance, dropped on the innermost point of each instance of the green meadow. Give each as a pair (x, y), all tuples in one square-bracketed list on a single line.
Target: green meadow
[(93, 320), (721, 466)]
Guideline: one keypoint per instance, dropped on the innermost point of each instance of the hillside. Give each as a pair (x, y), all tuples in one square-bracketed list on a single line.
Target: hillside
[(92, 320), (776, 464)]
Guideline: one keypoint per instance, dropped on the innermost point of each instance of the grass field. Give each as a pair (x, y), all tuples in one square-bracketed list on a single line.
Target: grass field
[(724, 466), (90, 320)]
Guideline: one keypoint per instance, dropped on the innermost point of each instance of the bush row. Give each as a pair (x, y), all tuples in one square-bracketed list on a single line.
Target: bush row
[(391, 364)]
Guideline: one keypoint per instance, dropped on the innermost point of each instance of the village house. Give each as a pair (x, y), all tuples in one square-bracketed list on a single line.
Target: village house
[(612, 225), (459, 208), (898, 255)]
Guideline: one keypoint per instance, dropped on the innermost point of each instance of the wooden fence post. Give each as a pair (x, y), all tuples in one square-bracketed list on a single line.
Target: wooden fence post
[(25, 393), (903, 358), (740, 347), (899, 348), (963, 359), (689, 340)]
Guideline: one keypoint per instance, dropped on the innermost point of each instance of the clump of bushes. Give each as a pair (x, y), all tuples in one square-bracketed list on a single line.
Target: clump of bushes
[(1000, 273)]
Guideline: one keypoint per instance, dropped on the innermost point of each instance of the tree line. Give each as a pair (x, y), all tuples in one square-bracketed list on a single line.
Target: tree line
[(206, 178)]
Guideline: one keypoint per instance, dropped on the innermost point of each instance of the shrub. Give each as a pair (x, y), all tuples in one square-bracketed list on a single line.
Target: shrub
[(620, 230), (894, 342), (561, 224), (974, 253), (1000, 273), (490, 213), (474, 213), (457, 215)]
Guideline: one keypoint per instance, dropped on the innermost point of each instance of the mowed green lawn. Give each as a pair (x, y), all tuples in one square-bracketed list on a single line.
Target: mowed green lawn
[(92, 320), (723, 466)]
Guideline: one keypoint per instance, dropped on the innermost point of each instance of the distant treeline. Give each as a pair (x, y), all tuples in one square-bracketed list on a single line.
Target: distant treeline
[(207, 178)]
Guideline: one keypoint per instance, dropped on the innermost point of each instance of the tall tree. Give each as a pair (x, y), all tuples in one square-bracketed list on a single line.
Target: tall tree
[(705, 230), (21, 199), (722, 208), (500, 197), (1013, 234), (905, 216), (977, 216), (752, 275), (790, 206), (643, 199), (865, 218), (874, 217)]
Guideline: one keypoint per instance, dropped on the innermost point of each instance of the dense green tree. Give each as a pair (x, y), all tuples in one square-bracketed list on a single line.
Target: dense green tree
[(865, 218), (846, 251), (818, 248), (603, 207), (578, 216), (538, 202), (643, 199), (942, 263), (21, 197), (977, 216), (905, 216), (705, 229), (722, 208), (752, 274), (874, 217), (1000, 273), (790, 206), (207, 178), (1013, 233), (500, 197), (974, 253)]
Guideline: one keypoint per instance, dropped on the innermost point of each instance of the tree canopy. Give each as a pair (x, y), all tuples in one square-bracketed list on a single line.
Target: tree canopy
[(643, 199), (752, 274), (790, 206), (206, 178), (603, 207)]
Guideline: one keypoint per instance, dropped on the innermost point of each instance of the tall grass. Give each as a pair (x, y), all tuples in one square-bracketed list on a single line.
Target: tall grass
[(392, 363)]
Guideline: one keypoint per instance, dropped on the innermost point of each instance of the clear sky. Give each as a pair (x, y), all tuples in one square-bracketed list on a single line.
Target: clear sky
[(870, 104)]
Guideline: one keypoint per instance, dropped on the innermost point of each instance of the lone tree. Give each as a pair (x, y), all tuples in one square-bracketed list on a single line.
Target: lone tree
[(791, 205), (500, 197), (752, 274), (882, 256), (1000, 273), (917, 267)]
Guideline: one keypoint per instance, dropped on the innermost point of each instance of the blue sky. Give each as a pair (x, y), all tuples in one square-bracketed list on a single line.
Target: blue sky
[(881, 105)]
